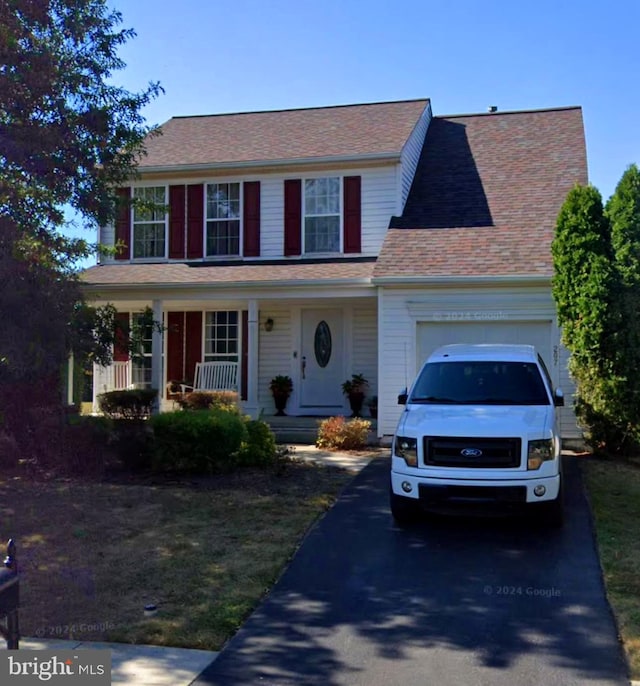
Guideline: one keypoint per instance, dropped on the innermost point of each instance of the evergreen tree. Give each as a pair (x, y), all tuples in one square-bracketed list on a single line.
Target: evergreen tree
[(585, 288), (623, 213)]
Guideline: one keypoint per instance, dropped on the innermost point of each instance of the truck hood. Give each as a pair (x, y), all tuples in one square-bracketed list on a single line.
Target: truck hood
[(526, 421)]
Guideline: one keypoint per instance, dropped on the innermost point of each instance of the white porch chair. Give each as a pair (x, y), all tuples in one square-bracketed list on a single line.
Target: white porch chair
[(216, 376)]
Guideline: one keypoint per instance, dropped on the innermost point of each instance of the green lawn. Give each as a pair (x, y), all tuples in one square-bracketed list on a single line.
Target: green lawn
[(614, 491), (205, 551)]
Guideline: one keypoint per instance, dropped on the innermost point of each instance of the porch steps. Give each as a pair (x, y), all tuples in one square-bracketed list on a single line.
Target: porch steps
[(304, 430)]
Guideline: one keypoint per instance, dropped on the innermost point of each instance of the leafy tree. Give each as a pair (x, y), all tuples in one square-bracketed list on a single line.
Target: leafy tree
[(68, 136)]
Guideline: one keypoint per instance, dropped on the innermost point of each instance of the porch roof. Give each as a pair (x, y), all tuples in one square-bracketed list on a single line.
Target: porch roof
[(486, 194), (263, 272)]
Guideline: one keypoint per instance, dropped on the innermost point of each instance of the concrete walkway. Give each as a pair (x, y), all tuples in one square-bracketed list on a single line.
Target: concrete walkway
[(140, 665)]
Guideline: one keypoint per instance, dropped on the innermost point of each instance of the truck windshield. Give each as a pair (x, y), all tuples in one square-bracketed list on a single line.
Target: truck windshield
[(480, 383)]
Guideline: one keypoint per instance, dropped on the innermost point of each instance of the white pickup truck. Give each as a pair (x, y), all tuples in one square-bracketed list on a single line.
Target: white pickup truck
[(479, 427)]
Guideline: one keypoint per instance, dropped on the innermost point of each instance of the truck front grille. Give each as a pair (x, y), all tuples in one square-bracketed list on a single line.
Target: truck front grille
[(480, 453)]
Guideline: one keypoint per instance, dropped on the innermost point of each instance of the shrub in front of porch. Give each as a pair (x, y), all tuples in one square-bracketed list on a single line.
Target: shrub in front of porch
[(208, 441), (335, 433), (88, 446), (135, 403), (259, 450), (207, 400)]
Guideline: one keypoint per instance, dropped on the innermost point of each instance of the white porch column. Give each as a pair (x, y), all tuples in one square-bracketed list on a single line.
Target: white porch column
[(251, 405), (156, 352)]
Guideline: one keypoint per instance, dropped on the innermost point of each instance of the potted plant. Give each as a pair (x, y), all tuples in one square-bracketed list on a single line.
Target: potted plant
[(355, 389), (281, 387), (373, 407)]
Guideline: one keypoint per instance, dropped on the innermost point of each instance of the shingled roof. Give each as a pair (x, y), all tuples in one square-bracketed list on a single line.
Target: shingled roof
[(486, 195), (342, 132), (204, 274)]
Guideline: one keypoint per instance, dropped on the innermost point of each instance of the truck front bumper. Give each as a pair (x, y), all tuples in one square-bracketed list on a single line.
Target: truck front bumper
[(435, 491)]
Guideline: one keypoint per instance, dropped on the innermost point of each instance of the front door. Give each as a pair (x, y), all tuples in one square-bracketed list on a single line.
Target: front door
[(321, 364)]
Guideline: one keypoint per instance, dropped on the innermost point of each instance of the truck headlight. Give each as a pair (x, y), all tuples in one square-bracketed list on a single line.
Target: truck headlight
[(539, 452), (407, 449)]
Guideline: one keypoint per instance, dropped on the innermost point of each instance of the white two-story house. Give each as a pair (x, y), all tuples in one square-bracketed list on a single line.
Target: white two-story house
[(318, 243)]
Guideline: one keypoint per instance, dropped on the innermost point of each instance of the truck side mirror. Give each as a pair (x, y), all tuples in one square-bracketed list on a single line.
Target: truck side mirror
[(558, 398), (402, 398)]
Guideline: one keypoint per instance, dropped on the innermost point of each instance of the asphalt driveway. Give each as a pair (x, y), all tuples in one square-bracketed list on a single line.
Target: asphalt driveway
[(469, 601)]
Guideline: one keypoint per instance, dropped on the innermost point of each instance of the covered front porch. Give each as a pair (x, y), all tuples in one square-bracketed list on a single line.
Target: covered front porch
[(317, 339)]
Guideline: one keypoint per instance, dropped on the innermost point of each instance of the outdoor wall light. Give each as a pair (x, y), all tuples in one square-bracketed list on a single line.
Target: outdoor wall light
[(268, 325)]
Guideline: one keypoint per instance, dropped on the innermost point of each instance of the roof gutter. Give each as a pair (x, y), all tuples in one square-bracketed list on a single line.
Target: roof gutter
[(283, 283), (442, 281), (334, 159)]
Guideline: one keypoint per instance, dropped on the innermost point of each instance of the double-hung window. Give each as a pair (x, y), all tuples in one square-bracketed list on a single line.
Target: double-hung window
[(149, 222), (322, 215), (141, 363), (223, 219), (222, 336)]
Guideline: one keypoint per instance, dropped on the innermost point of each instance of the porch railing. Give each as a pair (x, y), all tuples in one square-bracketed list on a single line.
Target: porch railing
[(115, 377)]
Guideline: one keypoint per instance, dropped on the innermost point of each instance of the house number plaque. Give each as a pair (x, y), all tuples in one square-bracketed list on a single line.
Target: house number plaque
[(322, 344)]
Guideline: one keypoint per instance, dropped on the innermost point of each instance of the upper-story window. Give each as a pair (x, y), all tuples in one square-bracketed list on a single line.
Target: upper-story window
[(223, 219), (149, 222), (322, 215)]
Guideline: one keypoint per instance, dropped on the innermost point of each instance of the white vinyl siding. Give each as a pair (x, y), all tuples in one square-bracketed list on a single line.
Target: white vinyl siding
[(410, 156), (277, 346), (568, 424), (379, 199), (274, 356), (107, 236), (404, 311), (365, 345), (379, 192)]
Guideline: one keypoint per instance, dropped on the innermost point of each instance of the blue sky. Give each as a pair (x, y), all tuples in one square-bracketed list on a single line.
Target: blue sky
[(213, 57)]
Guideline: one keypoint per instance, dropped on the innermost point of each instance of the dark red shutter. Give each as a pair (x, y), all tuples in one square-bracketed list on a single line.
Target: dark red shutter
[(352, 214), (292, 217), (192, 344), (176, 222), (121, 345), (175, 346), (123, 223), (251, 219), (244, 360), (195, 221)]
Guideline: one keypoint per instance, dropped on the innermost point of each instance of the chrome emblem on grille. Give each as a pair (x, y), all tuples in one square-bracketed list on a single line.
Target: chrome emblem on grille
[(471, 452)]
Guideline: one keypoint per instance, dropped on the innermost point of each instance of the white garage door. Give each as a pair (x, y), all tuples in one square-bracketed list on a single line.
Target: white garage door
[(432, 335)]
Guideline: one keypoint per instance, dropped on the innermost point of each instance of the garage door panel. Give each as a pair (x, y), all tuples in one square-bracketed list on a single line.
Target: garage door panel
[(432, 335)]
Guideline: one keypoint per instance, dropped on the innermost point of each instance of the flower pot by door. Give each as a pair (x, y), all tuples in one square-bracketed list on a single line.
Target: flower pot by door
[(356, 401), (280, 400)]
